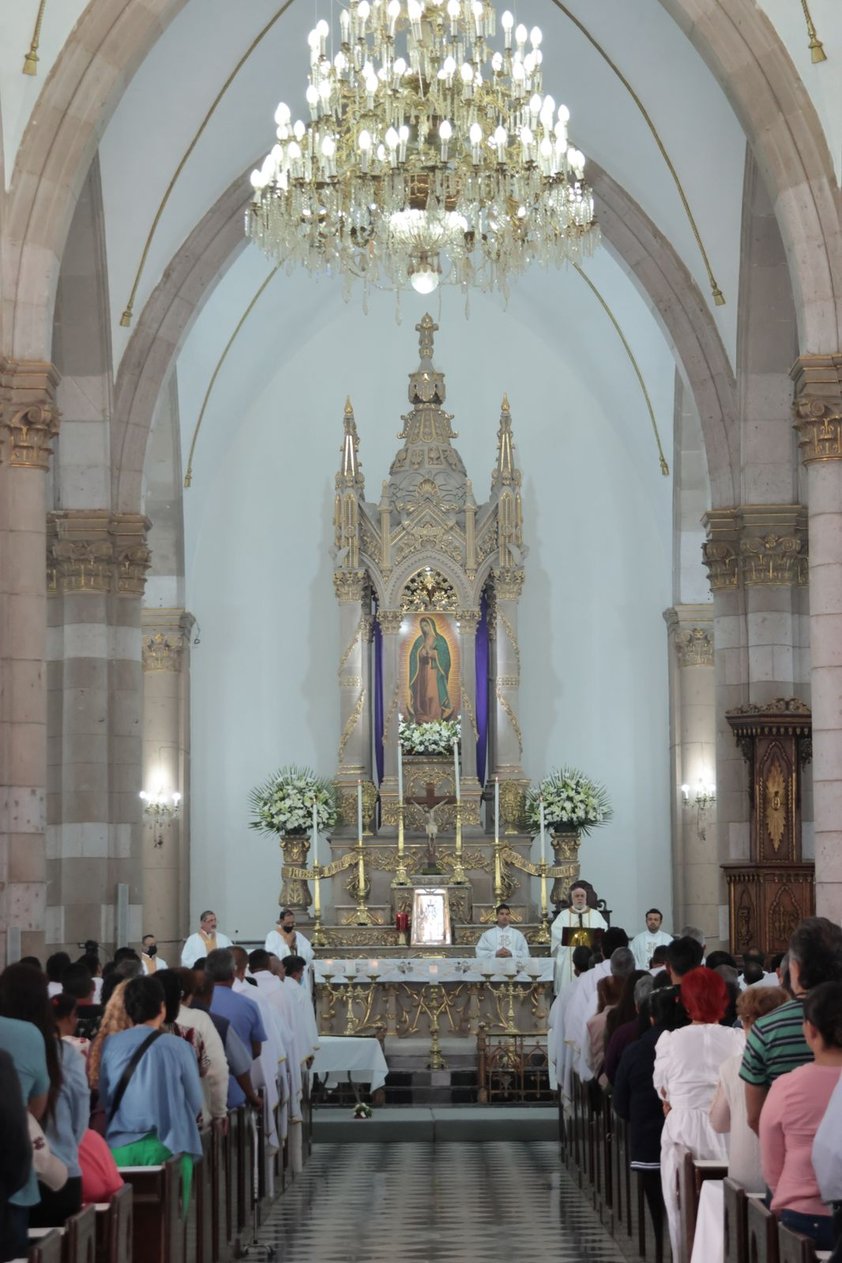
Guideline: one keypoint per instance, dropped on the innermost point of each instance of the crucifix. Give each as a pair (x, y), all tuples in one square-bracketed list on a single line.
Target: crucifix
[(429, 805)]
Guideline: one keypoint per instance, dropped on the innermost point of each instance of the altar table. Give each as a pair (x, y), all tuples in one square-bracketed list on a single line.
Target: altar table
[(357, 1060), (426, 969)]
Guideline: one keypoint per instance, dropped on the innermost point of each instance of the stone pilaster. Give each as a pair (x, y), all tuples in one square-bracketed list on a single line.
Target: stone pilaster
[(29, 422), (818, 408), (96, 567), (468, 620), (166, 639), (352, 676), (693, 758), (757, 561), (390, 625), (508, 585)]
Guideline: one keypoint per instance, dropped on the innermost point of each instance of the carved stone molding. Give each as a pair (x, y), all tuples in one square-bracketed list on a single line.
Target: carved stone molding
[(756, 545), (166, 635), (508, 583), (468, 619), (694, 646), (29, 418), (818, 406), (97, 551), (390, 621), (350, 585)]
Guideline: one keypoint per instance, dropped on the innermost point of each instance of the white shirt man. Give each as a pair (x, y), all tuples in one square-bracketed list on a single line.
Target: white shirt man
[(502, 939), (205, 940), (149, 958), (285, 940), (643, 944), (577, 917)]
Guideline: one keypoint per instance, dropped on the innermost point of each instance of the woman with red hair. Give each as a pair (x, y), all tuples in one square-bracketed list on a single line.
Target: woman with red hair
[(687, 1064)]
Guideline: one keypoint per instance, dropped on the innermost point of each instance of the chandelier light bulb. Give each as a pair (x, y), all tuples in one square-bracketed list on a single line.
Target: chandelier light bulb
[(429, 155)]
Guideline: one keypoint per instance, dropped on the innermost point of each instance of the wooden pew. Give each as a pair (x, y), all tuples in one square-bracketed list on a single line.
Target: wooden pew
[(692, 1172), (47, 1248), (204, 1193), (735, 1222), (219, 1217), (114, 1228), (793, 1248), (762, 1233), (159, 1226), (80, 1237)]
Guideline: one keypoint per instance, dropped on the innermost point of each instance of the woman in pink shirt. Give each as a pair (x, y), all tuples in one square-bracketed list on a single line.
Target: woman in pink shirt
[(791, 1115)]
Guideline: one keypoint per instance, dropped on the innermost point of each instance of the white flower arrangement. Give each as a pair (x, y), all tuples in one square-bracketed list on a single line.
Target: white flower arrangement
[(284, 803), (571, 801), (437, 737)]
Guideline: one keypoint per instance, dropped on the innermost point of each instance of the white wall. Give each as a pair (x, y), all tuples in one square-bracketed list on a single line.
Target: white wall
[(597, 520)]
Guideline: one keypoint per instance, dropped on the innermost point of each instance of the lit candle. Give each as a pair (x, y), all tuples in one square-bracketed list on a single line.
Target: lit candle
[(400, 762), (360, 812), (543, 832), (315, 833), (496, 809), (456, 768)]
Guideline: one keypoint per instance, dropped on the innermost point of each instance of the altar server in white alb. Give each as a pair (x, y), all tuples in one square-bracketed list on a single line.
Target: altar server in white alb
[(577, 917), (285, 940), (207, 939), (503, 939), (643, 944), (149, 958)]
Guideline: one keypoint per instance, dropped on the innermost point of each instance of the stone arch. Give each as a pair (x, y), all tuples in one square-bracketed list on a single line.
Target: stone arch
[(650, 260)]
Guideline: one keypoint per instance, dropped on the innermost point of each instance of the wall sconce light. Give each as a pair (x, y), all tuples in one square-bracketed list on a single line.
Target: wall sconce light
[(161, 808), (703, 796)]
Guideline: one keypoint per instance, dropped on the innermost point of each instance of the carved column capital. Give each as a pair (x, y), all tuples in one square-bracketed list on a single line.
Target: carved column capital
[(468, 619), (29, 418), (818, 406), (92, 550), (349, 585), (390, 621), (166, 636), (508, 583), (690, 629), (756, 545)]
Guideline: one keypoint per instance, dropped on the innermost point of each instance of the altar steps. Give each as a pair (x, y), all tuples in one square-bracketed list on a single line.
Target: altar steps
[(437, 1124)]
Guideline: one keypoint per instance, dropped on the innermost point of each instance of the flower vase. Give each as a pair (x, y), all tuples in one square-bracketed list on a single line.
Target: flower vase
[(565, 845), (295, 893)]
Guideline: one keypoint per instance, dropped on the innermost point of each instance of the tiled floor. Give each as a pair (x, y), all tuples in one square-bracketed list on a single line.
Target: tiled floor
[(425, 1203)]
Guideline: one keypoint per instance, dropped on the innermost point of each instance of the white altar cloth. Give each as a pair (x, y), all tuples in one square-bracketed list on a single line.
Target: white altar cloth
[(424, 969), (342, 1057)]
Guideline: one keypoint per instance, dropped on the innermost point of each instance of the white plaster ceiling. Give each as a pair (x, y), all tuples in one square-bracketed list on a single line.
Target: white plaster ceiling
[(166, 99)]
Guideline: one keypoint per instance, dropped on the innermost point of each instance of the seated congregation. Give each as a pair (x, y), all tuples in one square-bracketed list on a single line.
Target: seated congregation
[(703, 1103), (141, 1108)]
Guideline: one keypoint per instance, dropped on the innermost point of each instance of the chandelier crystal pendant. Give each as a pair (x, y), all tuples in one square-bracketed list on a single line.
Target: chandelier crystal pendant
[(428, 155)]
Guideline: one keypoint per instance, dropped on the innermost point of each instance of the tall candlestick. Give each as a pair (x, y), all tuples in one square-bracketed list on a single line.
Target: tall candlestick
[(400, 763), (543, 831), (456, 768), (496, 809), (363, 916), (315, 833), (360, 812)]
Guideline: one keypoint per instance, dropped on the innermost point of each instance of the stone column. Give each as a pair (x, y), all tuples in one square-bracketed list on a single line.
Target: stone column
[(97, 563), (693, 757), (509, 738), (28, 424), (818, 404), (756, 556), (390, 625), (354, 700), (166, 765), (468, 620)]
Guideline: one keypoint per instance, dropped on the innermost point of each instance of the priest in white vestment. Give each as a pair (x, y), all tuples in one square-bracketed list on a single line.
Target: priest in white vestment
[(577, 917), (295, 967), (285, 940), (268, 1066), (206, 940), (502, 939), (149, 958), (643, 944)]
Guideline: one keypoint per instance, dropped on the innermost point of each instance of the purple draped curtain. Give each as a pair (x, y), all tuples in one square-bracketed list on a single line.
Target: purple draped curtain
[(482, 688)]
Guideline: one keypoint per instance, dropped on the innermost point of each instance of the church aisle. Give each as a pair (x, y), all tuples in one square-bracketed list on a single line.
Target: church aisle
[(425, 1203)]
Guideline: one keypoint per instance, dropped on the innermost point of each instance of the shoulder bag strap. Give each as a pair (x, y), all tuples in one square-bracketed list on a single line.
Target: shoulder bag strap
[(129, 1070)]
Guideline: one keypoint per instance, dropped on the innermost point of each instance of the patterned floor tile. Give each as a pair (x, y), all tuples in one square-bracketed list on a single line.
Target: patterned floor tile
[(425, 1203)]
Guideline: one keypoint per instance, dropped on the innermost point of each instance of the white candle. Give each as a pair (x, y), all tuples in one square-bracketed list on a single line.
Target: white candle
[(433, 971), (359, 811), (496, 809), (543, 833), (456, 768), (400, 763), (315, 834)]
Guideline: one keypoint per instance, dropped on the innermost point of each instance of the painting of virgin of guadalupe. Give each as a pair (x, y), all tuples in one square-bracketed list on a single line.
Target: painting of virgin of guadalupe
[(433, 684)]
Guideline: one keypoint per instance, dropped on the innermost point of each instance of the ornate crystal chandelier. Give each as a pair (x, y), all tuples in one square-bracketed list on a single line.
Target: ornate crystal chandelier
[(428, 156)]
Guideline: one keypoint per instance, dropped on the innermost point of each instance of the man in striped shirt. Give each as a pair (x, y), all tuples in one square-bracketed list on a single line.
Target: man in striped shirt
[(776, 1044)]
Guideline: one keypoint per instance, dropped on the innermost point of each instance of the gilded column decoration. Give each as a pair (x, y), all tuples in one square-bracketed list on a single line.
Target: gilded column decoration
[(694, 647), (29, 418), (166, 638), (349, 585), (92, 550), (756, 545)]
